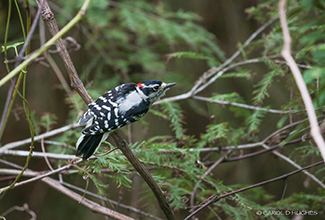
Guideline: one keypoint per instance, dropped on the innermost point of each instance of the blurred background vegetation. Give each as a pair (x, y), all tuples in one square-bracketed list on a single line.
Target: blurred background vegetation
[(176, 41)]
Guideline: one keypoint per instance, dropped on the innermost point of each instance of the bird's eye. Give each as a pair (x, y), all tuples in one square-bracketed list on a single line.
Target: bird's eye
[(155, 88)]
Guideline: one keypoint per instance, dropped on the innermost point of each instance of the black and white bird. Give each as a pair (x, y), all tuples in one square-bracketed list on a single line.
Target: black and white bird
[(120, 106)]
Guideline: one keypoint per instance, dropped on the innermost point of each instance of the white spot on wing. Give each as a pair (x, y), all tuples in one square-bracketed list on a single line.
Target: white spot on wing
[(106, 107), (108, 116), (116, 112), (98, 107), (106, 124), (103, 99), (112, 103)]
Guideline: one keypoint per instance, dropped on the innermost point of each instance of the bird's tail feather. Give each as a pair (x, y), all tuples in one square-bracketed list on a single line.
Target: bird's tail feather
[(88, 144)]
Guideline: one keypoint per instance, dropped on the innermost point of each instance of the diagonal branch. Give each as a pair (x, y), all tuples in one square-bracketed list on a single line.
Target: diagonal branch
[(216, 198), (85, 202), (288, 160), (216, 72), (286, 53), (45, 46), (142, 170)]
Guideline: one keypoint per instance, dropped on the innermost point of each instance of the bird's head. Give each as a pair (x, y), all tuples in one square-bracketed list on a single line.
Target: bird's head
[(154, 89)]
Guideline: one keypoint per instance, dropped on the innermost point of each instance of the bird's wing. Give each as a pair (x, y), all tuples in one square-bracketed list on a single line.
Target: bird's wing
[(105, 111)]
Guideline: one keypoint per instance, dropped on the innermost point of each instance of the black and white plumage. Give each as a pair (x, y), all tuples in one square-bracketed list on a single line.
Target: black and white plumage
[(120, 106)]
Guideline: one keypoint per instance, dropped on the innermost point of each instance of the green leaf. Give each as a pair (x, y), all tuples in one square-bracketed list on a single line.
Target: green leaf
[(313, 74)]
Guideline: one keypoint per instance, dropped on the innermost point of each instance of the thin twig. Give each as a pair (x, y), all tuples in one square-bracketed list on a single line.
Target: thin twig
[(205, 174), (38, 137), (223, 102), (6, 149), (48, 17), (45, 157), (39, 177)]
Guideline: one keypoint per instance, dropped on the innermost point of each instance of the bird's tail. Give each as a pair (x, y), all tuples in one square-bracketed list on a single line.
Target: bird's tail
[(87, 145)]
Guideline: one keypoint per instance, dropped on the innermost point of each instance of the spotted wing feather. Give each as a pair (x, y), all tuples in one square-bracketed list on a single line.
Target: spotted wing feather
[(105, 111)]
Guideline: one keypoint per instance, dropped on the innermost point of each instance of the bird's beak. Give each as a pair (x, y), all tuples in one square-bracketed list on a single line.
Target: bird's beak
[(168, 85)]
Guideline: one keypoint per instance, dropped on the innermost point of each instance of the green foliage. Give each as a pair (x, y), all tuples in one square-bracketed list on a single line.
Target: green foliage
[(47, 121), (254, 120), (173, 110), (215, 132), (191, 55), (131, 36), (231, 97), (303, 201), (44, 123), (263, 86), (316, 82), (241, 74), (107, 166)]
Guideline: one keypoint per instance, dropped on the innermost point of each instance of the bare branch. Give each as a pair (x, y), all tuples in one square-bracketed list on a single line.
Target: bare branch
[(15, 82), (24, 153), (286, 53), (38, 137), (223, 102), (85, 202)]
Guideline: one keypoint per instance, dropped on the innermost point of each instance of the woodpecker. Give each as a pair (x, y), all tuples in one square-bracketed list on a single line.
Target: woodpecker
[(120, 106)]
